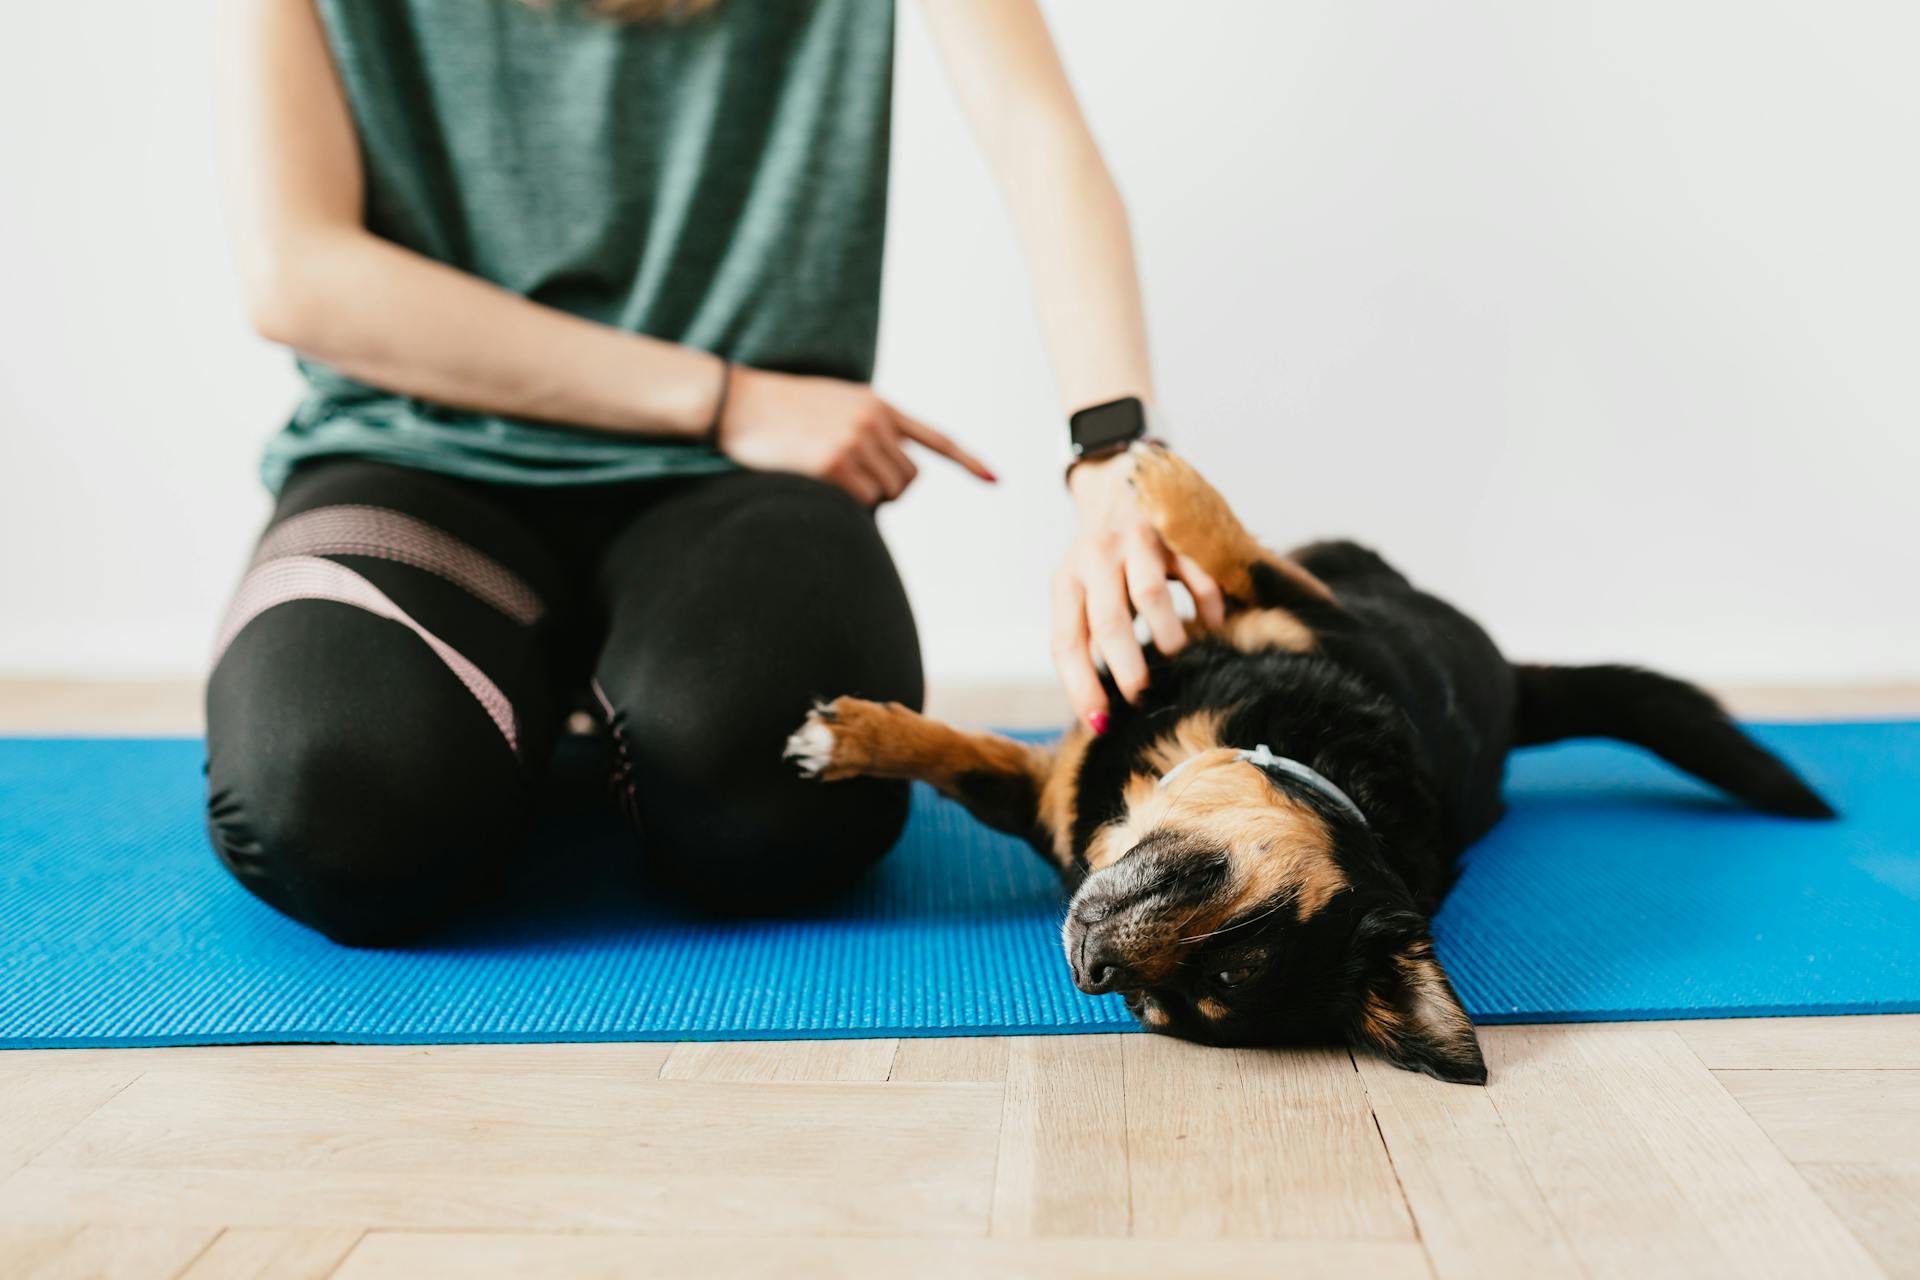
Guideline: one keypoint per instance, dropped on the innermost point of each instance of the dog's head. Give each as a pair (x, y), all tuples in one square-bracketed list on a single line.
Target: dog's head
[(1234, 903)]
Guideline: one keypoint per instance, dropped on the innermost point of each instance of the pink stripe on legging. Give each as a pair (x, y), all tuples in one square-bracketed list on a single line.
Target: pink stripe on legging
[(392, 535), (291, 578)]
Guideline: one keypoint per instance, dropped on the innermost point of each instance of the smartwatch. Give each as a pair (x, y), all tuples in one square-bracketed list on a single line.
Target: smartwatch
[(1102, 430)]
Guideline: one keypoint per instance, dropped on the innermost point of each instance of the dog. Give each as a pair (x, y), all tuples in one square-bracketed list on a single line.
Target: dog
[(1254, 850)]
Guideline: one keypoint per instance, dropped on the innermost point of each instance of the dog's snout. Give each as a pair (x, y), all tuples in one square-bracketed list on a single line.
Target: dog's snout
[(1121, 929), (1099, 967)]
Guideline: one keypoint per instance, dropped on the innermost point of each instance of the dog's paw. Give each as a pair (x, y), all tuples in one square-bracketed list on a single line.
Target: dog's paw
[(836, 739), (1189, 513), (811, 745)]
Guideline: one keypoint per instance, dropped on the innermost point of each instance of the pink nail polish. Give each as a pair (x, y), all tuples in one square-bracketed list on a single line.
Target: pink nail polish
[(1097, 722)]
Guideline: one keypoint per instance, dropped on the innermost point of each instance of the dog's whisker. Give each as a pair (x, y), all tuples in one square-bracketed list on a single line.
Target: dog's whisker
[(1237, 924)]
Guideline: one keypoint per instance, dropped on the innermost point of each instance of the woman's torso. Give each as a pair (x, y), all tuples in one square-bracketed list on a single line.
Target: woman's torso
[(718, 182)]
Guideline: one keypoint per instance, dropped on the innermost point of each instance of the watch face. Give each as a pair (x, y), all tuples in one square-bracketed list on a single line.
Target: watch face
[(1106, 425)]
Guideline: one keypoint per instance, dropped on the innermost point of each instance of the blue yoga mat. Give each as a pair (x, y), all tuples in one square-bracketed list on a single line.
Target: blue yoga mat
[(1615, 889)]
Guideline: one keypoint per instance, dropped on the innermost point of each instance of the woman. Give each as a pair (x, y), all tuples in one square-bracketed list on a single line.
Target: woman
[(586, 303)]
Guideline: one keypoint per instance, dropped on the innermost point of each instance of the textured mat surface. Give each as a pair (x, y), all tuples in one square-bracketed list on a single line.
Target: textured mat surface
[(1615, 889)]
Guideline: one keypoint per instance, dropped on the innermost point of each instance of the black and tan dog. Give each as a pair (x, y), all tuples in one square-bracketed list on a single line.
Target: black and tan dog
[(1256, 847)]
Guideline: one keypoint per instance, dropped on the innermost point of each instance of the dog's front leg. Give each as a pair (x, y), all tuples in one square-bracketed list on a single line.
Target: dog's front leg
[(1273, 602), (1003, 783), (1195, 521)]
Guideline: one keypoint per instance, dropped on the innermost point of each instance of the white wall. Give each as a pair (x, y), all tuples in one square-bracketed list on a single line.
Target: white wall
[(1602, 319)]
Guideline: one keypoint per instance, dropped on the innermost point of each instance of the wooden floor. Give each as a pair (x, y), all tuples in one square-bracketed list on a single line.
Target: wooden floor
[(1738, 1147)]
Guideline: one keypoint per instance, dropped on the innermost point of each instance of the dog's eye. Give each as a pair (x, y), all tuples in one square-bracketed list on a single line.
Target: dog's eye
[(1233, 977)]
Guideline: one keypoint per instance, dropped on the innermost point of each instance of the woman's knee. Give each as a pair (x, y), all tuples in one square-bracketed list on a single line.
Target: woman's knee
[(371, 845), (353, 782), (781, 592)]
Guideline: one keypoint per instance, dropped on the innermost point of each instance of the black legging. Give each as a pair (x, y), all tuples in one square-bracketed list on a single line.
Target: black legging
[(403, 649)]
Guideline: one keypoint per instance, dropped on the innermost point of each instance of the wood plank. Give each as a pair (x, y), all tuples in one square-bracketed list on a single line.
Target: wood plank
[(401, 1120), (1879, 1201), (982, 1059), (1833, 1115), (422, 1256), (1479, 1211), (408, 1147), (636, 1059), (96, 1250), (1255, 1143), (1649, 1166), (39, 1103), (1063, 1144), (765, 1061), (174, 706), (1821, 702), (1847, 1043), (273, 1253), (1615, 1203), (25, 1248), (1001, 706), (724, 1200), (164, 707)]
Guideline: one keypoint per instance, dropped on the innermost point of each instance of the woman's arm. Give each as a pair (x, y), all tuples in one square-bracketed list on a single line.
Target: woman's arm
[(1073, 229), (319, 282)]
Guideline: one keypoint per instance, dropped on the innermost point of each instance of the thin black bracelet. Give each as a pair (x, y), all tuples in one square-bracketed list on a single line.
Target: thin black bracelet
[(712, 437)]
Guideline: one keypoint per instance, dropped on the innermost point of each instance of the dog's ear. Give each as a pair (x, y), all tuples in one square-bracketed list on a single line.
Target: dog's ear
[(1408, 1012)]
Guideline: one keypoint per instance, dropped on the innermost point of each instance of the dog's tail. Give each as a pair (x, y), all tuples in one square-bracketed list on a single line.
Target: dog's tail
[(1681, 724)]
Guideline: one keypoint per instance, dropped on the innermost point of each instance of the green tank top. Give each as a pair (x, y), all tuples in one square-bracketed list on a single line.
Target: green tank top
[(718, 182)]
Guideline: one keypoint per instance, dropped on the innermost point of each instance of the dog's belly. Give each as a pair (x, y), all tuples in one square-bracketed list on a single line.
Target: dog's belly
[(1443, 671)]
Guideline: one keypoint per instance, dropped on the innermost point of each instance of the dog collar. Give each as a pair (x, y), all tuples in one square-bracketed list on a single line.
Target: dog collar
[(1263, 759)]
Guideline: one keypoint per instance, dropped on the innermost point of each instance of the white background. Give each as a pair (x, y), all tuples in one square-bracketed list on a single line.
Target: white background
[(1601, 319)]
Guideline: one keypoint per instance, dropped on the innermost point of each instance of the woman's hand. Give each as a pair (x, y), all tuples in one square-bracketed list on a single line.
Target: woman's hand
[(830, 429), (1117, 566)]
